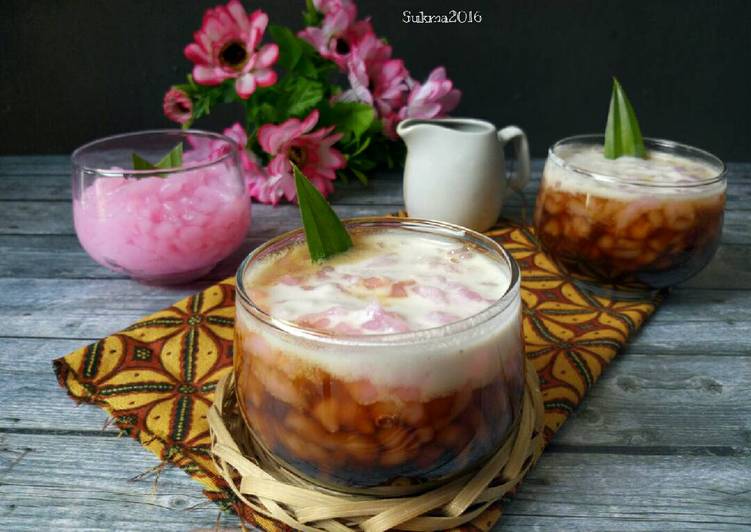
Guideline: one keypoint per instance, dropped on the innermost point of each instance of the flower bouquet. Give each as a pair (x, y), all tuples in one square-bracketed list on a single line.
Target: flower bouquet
[(326, 98)]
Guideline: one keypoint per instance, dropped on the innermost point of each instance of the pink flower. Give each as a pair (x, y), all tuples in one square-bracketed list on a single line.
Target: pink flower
[(332, 6), (312, 152), (389, 86), (272, 188), (338, 32), (380, 83), (177, 106), (251, 168), (389, 123), (225, 48), (204, 149), (369, 48), (434, 98)]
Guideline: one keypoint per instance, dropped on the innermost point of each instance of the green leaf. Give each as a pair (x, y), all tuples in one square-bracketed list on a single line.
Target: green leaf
[(361, 177), (290, 49), (139, 163), (622, 133), (298, 56), (305, 95), (265, 113), (343, 177), (307, 67), (311, 17), (205, 98), (349, 117), (173, 159), (324, 231), (363, 146)]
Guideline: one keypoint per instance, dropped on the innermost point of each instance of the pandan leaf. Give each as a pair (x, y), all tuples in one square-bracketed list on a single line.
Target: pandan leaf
[(622, 133), (139, 163), (324, 231), (174, 159)]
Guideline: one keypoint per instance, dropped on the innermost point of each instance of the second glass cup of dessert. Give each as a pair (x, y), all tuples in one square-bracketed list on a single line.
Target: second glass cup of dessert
[(640, 224), (398, 362), (165, 225)]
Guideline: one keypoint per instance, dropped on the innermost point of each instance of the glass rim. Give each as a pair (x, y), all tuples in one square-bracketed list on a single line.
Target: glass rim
[(664, 145), (402, 338), (109, 172)]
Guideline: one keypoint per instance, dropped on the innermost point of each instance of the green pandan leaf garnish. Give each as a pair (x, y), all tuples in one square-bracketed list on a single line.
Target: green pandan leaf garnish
[(174, 159), (324, 231), (622, 133)]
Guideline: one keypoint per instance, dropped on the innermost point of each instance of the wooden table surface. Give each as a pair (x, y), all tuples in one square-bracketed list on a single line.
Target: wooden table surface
[(662, 442)]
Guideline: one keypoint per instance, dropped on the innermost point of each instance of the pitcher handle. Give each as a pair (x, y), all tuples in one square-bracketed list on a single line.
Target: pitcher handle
[(521, 151)]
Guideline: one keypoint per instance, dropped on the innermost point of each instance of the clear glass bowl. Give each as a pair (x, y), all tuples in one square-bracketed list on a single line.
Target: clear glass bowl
[(642, 234), (163, 226), (362, 412)]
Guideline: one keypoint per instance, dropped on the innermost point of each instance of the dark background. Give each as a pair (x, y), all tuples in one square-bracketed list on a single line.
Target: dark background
[(74, 70)]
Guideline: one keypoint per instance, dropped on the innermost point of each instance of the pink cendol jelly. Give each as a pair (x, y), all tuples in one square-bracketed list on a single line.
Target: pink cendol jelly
[(168, 229)]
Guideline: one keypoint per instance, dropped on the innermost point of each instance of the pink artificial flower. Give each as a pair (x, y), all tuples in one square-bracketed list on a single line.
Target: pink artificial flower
[(205, 149), (312, 152), (389, 85), (388, 125), (380, 83), (332, 6), (177, 106), (251, 168), (434, 98), (369, 48), (225, 48), (339, 32)]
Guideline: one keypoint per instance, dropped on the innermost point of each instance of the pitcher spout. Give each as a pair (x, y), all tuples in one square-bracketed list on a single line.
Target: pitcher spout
[(407, 128), (410, 127)]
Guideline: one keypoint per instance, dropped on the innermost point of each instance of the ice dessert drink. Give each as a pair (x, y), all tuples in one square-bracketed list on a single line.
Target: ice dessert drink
[(399, 361), (650, 222), (166, 226)]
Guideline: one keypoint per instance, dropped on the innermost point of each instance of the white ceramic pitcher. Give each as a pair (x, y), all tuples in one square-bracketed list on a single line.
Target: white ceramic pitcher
[(455, 169)]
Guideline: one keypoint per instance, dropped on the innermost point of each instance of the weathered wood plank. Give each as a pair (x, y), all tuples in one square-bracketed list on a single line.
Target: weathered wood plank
[(572, 491), (51, 182), (668, 402), (44, 218), (60, 165), (66, 308), (384, 189), (59, 482), (729, 270), (61, 256), (124, 297), (35, 165), (567, 490), (641, 400), (56, 218), (626, 460)]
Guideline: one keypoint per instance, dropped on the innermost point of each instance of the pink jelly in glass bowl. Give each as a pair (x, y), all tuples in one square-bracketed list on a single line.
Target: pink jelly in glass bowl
[(163, 226)]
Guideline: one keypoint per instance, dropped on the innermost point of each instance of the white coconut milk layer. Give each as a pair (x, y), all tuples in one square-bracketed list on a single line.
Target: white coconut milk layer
[(672, 176), (395, 281)]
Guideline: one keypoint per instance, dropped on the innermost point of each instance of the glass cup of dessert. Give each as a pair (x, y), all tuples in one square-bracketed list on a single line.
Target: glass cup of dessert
[(396, 363), (166, 225), (640, 224)]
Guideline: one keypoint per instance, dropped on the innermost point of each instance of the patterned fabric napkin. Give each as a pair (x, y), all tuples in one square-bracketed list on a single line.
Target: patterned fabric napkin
[(157, 377)]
